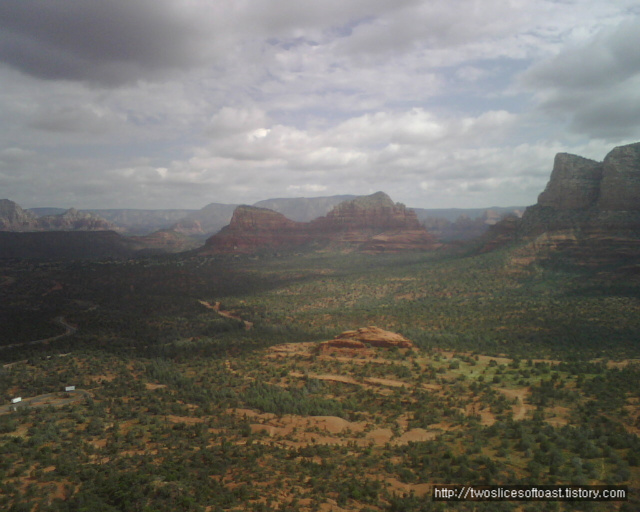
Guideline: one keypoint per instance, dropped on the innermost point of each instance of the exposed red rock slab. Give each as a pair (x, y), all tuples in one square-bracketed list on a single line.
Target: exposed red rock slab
[(373, 336)]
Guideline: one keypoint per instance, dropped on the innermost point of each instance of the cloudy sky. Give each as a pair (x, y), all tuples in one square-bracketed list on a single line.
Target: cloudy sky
[(180, 103)]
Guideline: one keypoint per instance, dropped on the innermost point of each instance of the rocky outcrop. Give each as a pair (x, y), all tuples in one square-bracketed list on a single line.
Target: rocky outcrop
[(620, 186), (14, 218), (143, 222), (377, 212), (574, 183), (588, 196), (589, 213), (74, 220), (303, 209), (206, 221), (371, 223), (367, 336), (252, 229)]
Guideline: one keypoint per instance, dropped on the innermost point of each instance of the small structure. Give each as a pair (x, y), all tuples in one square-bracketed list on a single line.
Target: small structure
[(70, 388), (16, 400)]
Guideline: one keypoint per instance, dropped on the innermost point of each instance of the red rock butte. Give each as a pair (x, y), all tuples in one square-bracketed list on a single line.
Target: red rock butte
[(369, 223)]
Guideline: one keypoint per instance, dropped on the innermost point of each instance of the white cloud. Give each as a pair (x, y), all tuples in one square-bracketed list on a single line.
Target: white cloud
[(179, 103), (311, 188)]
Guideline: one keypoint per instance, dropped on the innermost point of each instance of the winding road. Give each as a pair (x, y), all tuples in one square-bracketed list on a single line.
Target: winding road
[(227, 314), (69, 329)]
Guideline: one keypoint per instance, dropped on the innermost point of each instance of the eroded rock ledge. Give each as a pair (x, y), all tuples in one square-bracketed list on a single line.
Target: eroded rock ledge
[(365, 337)]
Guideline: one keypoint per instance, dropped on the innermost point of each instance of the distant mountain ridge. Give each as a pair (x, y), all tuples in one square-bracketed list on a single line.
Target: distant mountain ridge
[(445, 223), (14, 218), (303, 209)]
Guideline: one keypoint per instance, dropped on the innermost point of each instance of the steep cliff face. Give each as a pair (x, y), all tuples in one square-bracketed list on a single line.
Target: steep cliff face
[(372, 223), (303, 209), (574, 183), (376, 211), (589, 196), (588, 214), (14, 218), (620, 186), (252, 229)]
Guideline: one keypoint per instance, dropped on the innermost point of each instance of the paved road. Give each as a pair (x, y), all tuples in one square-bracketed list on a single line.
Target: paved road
[(69, 329), (54, 399)]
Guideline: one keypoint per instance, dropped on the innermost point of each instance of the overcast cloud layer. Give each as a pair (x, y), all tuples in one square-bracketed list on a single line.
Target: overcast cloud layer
[(180, 103)]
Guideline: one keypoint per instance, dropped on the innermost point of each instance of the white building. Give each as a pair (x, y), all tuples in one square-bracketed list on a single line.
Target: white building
[(16, 400)]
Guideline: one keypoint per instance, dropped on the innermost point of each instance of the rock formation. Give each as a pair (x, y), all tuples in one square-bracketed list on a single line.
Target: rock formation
[(589, 211), (620, 186), (366, 336), (589, 196), (371, 223), (303, 209), (376, 211), (14, 218), (574, 183), (206, 221), (74, 220), (253, 228)]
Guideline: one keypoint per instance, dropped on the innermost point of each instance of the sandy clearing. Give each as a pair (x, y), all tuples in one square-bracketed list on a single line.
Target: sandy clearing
[(189, 420), (416, 435), (152, 386), (400, 488), (375, 381), (560, 416), (521, 408), (380, 436)]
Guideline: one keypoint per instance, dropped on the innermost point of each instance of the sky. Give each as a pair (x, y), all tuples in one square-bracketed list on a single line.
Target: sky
[(181, 103)]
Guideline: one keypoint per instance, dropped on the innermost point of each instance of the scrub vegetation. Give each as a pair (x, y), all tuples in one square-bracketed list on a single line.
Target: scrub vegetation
[(520, 374)]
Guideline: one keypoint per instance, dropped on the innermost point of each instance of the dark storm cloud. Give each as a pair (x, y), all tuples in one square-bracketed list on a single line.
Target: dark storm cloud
[(177, 103), (596, 85), (609, 58), (108, 42)]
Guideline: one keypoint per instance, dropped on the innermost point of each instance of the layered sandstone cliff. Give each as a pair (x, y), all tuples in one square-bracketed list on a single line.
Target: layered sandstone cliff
[(370, 223), (252, 229), (589, 211)]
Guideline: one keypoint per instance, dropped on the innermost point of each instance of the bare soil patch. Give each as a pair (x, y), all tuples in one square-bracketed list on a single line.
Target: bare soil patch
[(521, 408), (416, 435), (380, 436), (189, 420), (558, 416), (152, 386)]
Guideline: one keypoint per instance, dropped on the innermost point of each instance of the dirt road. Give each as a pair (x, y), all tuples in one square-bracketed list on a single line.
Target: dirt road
[(69, 329)]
